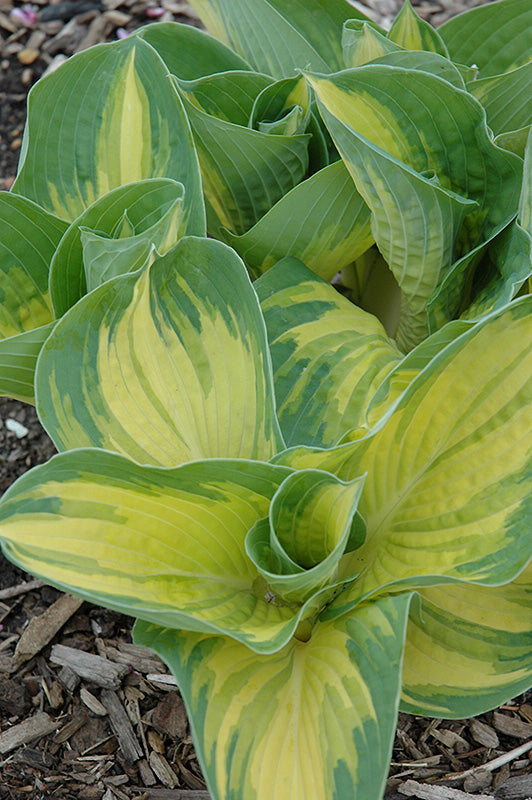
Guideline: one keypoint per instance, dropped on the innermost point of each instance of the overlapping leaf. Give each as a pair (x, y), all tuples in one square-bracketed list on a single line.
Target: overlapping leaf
[(506, 98), (124, 123), (128, 221), (158, 366), (363, 42), (314, 721), (417, 174), (427, 62), (501, 273), (497, 38), (413, 33), (18, 359), (310, 32), (323, 222), (165, 545), (28, 241), (449, 481), (298, 548), (188, 52), (229, 96), (245, 172), (328, 356)]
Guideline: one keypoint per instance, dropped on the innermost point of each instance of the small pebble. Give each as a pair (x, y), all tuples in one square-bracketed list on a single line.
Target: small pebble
[(27, 56), (16, 143), (27, 76), (17, 428)]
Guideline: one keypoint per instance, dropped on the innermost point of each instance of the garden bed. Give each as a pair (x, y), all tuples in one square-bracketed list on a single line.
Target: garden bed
[(84, 714)]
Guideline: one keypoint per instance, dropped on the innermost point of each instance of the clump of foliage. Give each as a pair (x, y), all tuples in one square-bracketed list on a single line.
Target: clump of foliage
[(317, 506)]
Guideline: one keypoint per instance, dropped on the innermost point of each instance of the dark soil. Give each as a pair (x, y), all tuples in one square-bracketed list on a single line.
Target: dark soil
[(12, 114)]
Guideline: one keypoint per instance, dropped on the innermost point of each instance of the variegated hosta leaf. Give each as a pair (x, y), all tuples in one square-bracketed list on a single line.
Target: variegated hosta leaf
[(125, 123), (404, 372), (514, 141), (362, 42), (297, 550), (508, 262), (502, 272), (314, 721), (166, 365), (280, 36), (525, 201), (165, 545), (362, 111), (18, 358), (427, 62), (452, 295), (245, 172), (413, 33), (228, 96), (506, 98), (420, 131), (188, 52), (414, 221), (273, 110), (469, 648), (28, 239), (128, 222), (323, 222), (328, 356), (497, 38), (449, 480)]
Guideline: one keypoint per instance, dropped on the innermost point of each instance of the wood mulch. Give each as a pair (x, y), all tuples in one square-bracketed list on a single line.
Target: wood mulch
[(86, 715)]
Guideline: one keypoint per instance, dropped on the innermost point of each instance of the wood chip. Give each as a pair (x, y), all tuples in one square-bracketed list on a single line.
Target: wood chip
[(146, 773), (138, 658), (449, 738), (483, 734), (164, 681), (71, 727), (500, 761), (21, 588), (54, 694), (67, 40), (163, 770), (426, 791), (89, 667), (68, 679), (155, 742), (512, 726), (122, 727), (41, 630), (6, 23), (33, 728), (170, 716), (480, 779), (518, 788), (36, 40), (92, 702)]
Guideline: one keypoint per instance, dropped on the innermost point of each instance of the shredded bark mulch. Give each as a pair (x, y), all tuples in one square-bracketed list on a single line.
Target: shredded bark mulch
[(86, 715)]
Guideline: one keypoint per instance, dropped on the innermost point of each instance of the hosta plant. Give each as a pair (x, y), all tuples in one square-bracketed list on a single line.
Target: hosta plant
[(318, 514), (277, 583), (395, 159)]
